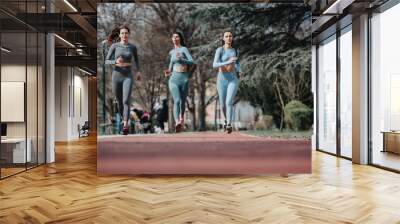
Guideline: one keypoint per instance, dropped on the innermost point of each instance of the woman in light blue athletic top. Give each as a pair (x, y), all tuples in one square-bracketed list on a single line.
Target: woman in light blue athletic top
[(123, 56), (226, 60), (180, 60)]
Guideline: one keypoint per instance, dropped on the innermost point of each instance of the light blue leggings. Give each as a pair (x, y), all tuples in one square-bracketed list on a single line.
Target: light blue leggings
[(227, 85), (178, 86)]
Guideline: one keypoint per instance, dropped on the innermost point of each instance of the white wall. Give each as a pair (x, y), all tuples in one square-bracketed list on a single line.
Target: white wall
[(12, 73), (80, 110), (71, 94), (33, 126), (61, 103), (17, 73)]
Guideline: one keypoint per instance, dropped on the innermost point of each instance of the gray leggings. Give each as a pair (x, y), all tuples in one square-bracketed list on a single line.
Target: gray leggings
[(122, 88)]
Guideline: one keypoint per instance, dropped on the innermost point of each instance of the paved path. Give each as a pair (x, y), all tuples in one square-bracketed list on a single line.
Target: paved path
[(201, 153)]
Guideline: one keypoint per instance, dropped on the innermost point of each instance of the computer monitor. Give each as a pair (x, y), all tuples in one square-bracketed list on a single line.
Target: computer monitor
[(3, 129)]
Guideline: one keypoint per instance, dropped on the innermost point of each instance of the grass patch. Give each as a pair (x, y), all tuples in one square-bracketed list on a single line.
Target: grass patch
[(276, 133)]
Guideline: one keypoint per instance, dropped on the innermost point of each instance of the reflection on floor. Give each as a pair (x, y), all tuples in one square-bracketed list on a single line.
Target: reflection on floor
[(10, 169), (387, 159)]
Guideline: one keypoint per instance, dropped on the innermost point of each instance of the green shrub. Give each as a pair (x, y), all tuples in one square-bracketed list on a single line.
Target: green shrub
[(268, 121), (264, 122), (298, 116), (259, 125)]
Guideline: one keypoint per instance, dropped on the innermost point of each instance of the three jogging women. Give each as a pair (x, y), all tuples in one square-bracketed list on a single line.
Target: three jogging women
[(123, 55)]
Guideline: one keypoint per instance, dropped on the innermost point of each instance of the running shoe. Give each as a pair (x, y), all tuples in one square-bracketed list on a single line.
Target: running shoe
[(229, 128), (178, 127), (125, 131)]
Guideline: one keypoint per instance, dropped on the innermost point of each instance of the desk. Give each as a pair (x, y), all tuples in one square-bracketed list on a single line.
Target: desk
[(391, 141), (13, 150)]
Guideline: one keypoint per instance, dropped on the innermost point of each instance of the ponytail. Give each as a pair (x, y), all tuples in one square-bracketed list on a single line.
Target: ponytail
[(113, 36)]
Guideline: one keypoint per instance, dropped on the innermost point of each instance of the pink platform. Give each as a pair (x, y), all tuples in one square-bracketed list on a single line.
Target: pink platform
[(201, 153)]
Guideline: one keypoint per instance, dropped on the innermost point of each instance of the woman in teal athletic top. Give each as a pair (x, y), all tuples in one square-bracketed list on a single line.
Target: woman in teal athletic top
[(123, 55), (226, 60), (180, 60)]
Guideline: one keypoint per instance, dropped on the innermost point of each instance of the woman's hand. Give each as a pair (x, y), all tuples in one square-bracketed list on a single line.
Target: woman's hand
[(119, 61), (232, 59), (124, 64), (178, 55), (167, 72)]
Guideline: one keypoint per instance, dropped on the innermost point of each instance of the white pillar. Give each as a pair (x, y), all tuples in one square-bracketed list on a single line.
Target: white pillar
[(50, 101), (360, 90)]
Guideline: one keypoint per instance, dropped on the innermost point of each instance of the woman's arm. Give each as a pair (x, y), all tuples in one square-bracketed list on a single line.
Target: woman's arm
[(238, 69), (188, 60), (110, 58), (217, 62), (135, 66), (171, 63)]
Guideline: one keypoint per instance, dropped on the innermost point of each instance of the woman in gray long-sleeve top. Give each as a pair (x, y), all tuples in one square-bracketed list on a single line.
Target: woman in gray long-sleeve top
[(123, 55)]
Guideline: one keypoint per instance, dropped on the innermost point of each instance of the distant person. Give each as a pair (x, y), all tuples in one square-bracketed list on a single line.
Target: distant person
[(227, 61), (123, 56), (138, 113), (133, 120), (180, 60), (134, 116), (145, 122), (162, 114), (145, 117), (136, 121), (113, 37)]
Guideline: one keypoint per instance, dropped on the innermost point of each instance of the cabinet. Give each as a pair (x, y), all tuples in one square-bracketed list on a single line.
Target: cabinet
[(13, 150), (391, 141)]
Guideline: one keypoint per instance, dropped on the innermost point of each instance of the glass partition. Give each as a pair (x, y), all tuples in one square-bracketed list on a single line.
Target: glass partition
[(346, 92), (327, 95), (385, 88), (15, 149), (22, 89)]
